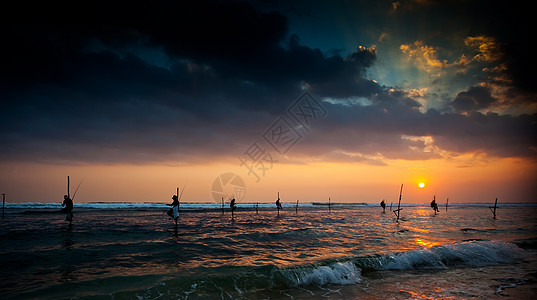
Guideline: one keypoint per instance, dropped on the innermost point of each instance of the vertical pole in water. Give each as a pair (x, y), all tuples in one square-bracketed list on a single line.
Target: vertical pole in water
[(3, 204), (397, 212), (447, 201), (70, 214), (296, 207), (329, 208), (177, 195), (494, 211), (391, 203), (257, 208), (495, 204), (399, 205), (232, 207)]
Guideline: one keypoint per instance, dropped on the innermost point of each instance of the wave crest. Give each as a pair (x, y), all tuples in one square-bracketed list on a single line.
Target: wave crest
[(335, 273), (472, 253)]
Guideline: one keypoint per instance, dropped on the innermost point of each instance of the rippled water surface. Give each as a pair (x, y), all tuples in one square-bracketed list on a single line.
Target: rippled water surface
[(353, 251)]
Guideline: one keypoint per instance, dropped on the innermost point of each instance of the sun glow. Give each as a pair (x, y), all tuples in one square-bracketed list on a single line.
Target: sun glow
[(421, 185), (426, 244)]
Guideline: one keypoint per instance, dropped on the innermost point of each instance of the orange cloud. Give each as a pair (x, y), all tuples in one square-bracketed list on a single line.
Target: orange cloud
[(424, 56), (488, 49)]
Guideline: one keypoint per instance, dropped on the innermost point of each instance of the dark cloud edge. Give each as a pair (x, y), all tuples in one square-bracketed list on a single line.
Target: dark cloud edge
[(122, 106)]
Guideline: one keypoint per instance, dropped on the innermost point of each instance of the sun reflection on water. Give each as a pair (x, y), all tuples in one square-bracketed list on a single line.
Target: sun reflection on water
[(425, 243)]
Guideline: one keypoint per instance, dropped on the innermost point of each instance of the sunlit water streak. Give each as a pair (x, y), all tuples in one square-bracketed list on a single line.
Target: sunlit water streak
[(354, 251)]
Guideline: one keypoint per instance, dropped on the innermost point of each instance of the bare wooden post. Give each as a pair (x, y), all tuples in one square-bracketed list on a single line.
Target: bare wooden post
[(447, 201), (296, 207), (398, 210), (69, 214), (257, 208), (493, 209), (391, 203), (175, 219), (3, 204), (232, 206)]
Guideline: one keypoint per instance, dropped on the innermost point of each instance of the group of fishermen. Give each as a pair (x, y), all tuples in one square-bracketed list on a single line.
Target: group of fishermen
[(174, 211), (434, 206)]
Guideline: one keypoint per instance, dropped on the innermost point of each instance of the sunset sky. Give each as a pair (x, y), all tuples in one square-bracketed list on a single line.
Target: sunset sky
[(339, 99)]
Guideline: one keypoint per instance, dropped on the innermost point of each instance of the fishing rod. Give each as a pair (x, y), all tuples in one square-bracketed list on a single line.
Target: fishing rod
[(182, 190), (181, 195), (76, 190)]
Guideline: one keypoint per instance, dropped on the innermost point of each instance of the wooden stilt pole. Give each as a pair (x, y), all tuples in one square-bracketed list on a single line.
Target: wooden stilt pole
[(495, 204), (69, 215), (257, 208), (296, 207), (391, 203), (177, 195), (493, 209), (232, 209), (222, 205), (329, 208), (398, 210), (447, 201)]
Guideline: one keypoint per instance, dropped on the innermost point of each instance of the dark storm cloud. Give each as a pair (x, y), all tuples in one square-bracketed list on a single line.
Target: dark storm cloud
[(399, 131), (475, 98), (78, 87), (201, 80)]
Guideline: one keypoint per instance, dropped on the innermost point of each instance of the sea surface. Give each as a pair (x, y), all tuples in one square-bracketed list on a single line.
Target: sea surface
[(352, 251)]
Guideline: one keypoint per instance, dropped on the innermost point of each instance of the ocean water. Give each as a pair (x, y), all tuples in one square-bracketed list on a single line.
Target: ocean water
[(133, 251)]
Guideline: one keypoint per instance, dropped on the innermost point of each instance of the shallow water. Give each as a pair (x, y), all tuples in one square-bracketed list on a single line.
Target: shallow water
[(352, 252)]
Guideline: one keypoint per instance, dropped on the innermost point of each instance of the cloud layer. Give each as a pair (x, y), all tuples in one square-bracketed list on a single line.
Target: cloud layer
[(201, 80)]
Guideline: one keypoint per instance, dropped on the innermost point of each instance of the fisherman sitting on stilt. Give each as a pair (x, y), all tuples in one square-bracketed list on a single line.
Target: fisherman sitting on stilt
[(383, 205), (174, 211), (68, 209), (434, 206)]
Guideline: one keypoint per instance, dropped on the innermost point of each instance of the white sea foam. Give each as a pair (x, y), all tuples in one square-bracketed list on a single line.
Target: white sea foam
[(473, 254), (335, 273)]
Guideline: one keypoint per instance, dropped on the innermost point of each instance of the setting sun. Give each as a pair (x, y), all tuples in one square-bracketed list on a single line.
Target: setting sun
[(421, 185)]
